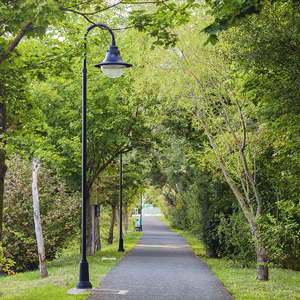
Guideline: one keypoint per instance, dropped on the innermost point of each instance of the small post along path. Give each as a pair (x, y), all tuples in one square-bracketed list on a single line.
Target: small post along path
[(162, 266)]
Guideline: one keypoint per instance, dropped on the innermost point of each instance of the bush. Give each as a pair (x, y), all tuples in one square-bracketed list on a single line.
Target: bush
[(208, 197), (235, 238), (281, 235), (60, 215)]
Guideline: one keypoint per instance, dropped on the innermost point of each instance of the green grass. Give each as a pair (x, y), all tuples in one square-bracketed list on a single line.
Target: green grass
[(241, 283), (63, 274)]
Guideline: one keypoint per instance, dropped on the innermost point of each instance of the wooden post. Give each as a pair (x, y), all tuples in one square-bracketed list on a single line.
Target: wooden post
[(37, 221)]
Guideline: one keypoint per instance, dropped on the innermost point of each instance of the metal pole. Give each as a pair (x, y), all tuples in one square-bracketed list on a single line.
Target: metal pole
[(120, 249), (141, 215), (84, 282)]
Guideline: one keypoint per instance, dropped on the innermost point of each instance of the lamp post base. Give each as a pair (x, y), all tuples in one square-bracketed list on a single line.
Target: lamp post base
[(121, 248), (84, 282)]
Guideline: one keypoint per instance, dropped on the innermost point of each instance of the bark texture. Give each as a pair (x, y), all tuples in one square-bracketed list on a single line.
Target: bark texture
[(37, 221)]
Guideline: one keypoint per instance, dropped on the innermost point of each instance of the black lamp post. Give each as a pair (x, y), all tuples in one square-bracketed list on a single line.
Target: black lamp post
[(120, 248), (113, 66), (141, 215)]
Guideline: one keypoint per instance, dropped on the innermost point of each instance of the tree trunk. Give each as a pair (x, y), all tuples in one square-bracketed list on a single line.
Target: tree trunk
[(37, 221), (262, 265), (3, 167), (262, 259), (125, 215), (118, 218), (112, 223), (98, 241)]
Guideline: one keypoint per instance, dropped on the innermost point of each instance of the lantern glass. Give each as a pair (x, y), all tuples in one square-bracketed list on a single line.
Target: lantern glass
[(113, 71)]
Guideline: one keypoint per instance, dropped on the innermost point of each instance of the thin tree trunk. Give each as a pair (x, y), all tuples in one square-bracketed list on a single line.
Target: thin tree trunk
[(98, 241), (3, 167), (262, 260), (37, 221), (118, 218), (125, 215), (112, 223)]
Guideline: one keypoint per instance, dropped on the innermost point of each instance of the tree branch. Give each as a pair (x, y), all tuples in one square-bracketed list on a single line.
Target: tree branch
[(80, 4), (150, 2), (90, 14), (13, 126), (16, 40)]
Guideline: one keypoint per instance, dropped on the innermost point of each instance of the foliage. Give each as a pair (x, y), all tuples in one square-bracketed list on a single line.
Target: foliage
[(228, 14), (154, 196), (265, 49), (60, 215), (6, 264), (235, 236), (281, 236)]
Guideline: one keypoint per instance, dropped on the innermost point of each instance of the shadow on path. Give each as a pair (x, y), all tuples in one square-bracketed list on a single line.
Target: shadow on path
[(162, 266)]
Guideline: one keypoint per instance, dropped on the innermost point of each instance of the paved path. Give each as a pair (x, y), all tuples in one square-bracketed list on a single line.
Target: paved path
[(162, 266)]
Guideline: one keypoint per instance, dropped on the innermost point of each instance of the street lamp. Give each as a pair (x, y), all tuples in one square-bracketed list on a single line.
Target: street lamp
[(113, 66)]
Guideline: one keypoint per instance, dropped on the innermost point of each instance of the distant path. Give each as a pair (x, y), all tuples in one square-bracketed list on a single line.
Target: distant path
[(162, 266)]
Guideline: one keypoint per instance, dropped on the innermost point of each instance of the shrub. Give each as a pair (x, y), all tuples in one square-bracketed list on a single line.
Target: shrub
[(281, 235), (235, 238), (60, 215), (208, 197)]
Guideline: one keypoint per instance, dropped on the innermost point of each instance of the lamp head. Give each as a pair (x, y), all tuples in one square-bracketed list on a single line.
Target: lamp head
[(113, 66)]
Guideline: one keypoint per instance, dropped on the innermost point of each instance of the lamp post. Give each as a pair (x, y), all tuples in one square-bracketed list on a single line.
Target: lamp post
[(141, 215), (120, 248), (113, 66)]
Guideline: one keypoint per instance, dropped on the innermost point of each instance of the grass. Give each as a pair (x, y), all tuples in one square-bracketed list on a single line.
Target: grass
[(63, 274), (240, 282)]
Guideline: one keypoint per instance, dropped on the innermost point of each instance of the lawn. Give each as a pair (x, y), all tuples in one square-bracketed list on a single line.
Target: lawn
[(63, 274)]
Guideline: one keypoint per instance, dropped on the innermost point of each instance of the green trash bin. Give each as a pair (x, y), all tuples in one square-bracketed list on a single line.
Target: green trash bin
[(138, 224)]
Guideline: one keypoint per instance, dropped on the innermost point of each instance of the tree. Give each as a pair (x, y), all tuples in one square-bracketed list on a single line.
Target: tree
[(37, 220), (265, 48), (228, 14), (213, 95), (54, 25), (111, 111)]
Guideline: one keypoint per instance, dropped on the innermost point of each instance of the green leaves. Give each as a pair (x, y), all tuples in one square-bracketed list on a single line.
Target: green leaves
[(229, 13), (60, 215)]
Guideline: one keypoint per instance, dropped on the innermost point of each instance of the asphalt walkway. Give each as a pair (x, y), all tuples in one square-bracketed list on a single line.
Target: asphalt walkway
[(162, 266)]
